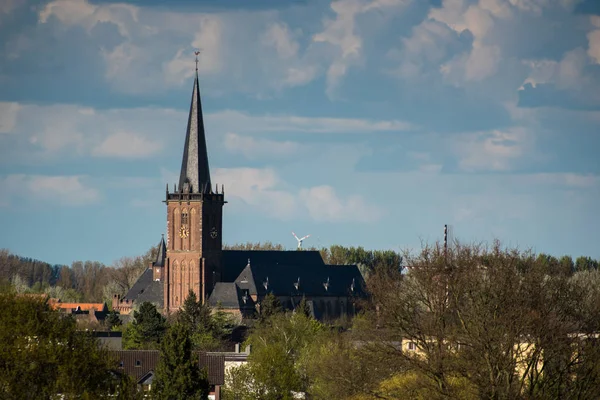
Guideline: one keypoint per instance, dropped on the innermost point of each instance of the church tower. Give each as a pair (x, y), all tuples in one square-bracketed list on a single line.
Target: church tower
[(194, 219)]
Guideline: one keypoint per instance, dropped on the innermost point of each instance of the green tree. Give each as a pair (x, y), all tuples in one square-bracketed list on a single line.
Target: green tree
[(273, 371), (43, 355), (178, 374), (147, 328), (208, 328), (113, 321), (269, 306)]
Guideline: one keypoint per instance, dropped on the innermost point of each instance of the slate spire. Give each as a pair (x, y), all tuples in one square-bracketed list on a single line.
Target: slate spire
[(195, 174), (161, 254)]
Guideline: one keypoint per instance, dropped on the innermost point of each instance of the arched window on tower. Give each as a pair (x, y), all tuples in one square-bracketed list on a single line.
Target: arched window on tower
[(184, 217)]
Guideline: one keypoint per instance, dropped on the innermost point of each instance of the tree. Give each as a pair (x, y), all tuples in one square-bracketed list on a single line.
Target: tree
[(113, 321), (147, 328), (178, 374), (303, 308), (269, 306), (506, 321), (43, 355), (273, 371), (195, 315)]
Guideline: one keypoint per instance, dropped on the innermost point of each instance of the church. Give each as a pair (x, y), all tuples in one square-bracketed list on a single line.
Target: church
[(192, 257)]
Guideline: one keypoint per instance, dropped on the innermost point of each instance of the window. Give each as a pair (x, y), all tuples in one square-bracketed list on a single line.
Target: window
[(138, 363), (184, 218), (411, 346)]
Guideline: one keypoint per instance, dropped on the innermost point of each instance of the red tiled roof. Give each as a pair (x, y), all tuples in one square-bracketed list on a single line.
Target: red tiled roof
[(82, 306)]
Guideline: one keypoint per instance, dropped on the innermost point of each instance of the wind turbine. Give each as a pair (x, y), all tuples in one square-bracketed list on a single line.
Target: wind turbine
[(300, 240)]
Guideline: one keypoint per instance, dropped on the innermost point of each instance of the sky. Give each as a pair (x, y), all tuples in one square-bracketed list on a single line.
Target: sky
[(361, 122)]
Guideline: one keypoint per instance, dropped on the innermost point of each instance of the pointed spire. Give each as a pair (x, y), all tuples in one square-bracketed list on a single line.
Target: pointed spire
[(194, 166), (162, 253)]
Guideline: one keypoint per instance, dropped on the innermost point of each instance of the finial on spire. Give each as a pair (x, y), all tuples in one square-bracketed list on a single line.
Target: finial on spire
[(196, 53)]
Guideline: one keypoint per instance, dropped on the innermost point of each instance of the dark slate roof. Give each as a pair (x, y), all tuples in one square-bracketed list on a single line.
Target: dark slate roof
[(146, 289), (234, 261), (161, 255), (194, 166), (313, 280), (229, 295)]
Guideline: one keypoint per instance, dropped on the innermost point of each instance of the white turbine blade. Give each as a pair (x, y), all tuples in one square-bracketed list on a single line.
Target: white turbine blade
[(295, 235), (305, 237)]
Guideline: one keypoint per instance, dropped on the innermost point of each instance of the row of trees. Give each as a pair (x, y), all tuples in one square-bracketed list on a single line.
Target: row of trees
[(470, 323), (88, 281)]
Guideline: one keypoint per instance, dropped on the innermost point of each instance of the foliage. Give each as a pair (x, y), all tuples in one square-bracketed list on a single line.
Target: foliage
[(512, 324), (42, 354), (208, 328), (113, 321), (269, 306), (178, 374), (274, 370), (146, 330)]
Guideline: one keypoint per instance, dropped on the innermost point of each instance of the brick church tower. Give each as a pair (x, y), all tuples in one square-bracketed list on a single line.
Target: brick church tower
[(194, 220)]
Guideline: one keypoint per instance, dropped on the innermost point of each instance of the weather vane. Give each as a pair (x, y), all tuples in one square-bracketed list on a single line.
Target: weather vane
[(196, 53)]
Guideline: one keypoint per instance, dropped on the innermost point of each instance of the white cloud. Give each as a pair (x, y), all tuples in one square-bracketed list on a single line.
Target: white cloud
[(8, 116), (324, 205), (493, 151), (259, 189), (256, 148), (237, 121), (126, 145), (265, 191), (74, 131), (340, 32), (278, 36), (156, 47), (594, 45), (209, 39), (87, 15), (64, 190)]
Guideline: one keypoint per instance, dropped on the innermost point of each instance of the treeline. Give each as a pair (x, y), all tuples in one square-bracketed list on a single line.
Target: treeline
[(87, 281), (92, 281), (470, 323)]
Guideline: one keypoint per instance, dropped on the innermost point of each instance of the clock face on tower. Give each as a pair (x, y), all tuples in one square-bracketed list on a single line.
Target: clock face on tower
[(214, 233), (184, 232)]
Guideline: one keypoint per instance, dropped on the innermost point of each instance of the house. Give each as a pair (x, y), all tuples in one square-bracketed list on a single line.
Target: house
[(141, 365)]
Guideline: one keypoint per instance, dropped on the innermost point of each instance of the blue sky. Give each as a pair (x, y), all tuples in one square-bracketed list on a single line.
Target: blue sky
[(361, 122)]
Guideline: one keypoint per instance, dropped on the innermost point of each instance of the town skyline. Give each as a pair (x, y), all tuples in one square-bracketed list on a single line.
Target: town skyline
[(362, 123)]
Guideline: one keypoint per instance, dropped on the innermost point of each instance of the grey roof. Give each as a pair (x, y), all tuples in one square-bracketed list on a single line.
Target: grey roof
[(146, 289), (161, 255), (234, 261), (194, 166), (229, 295), (311, 280)]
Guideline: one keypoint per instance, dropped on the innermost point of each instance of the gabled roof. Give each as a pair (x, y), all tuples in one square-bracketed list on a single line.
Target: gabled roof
[(161, 255), (146, 289), (234, 261), (229, 296), (194, 165), (140, 363), (298, 280)]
